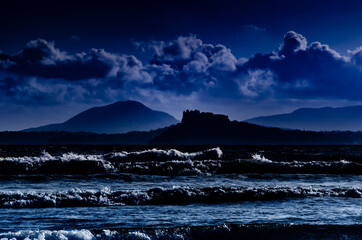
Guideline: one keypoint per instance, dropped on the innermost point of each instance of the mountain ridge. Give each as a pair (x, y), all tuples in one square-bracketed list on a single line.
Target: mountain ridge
[(347, 118), (118, 117), (208, 128), (196, 128)]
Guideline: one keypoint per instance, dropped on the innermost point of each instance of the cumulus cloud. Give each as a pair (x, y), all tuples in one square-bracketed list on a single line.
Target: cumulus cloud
[(187, 65), (356, 57), (43, 74), (182, 66), (305, 71), (292, 43), (256, 83), (41, 58), (191, 50)]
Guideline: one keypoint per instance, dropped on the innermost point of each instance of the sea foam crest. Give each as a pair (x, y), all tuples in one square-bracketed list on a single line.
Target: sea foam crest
[(73, 163), (163, 155), (45, 156), (256, 164), (46, 234), (46, 163), (159, 196), (259, 157), (230, 231), (166, 162)]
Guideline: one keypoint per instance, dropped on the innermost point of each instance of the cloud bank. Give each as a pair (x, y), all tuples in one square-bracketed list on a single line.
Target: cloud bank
[(42, 74)]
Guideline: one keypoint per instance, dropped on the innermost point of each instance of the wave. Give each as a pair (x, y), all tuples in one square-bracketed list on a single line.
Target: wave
[(72, 163), (68, 163), (257, 164), (164, 155), (230, 231), (161, 196), (166, 162)]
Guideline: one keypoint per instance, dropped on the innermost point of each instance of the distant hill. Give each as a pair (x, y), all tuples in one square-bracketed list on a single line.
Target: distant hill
[(119, 117), (196, 128), (78, 138), (208, 128), (316, 119)]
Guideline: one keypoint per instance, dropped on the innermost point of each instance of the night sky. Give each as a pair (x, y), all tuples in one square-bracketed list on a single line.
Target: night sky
[(240, 58)]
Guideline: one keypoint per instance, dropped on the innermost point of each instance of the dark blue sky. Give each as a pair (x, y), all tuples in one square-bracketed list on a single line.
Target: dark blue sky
[(112, 24), (241, 58)]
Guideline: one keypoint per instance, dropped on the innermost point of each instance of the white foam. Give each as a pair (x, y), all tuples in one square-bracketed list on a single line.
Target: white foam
[(138, 236), (259, 157), (46, 234), (165, 162), (167, 154), (174, 195)]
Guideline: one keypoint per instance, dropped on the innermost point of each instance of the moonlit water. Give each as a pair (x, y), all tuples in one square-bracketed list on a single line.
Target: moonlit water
[(169, 194)]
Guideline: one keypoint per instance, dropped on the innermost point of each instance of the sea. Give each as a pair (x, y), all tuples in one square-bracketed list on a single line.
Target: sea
[(180, 192)]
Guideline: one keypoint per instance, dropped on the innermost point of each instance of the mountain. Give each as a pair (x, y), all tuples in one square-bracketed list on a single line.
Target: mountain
[(316, 119), (78, 138), (209, 128), (119, 117), (196, 128)]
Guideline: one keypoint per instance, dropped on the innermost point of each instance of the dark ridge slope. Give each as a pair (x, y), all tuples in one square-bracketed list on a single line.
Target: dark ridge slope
[(119, 117), (316, 119), (208, 128), (77, 138)]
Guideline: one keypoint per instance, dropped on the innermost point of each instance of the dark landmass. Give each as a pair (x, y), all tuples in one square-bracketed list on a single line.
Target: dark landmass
[(196, 128), (83, 138), (208, 128), (316, 119), (119, 117)]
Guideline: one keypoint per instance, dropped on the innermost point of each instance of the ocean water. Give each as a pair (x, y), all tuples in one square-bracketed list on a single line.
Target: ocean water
[(184, 192)]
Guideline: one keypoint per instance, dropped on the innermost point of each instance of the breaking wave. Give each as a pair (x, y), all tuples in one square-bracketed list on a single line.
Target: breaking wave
[(166, 162), (164, 155), (161, 196), (230, 231)]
